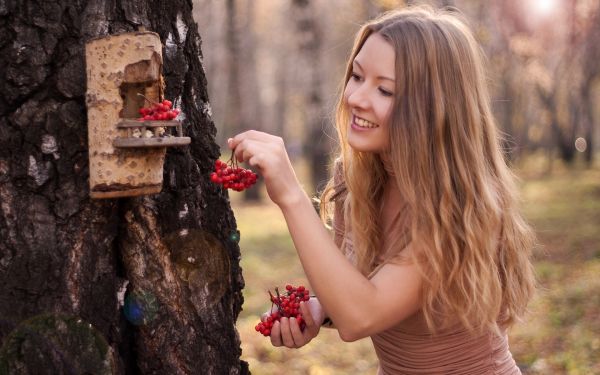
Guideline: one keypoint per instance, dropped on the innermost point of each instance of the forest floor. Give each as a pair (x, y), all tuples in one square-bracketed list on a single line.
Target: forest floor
[(560, 335)]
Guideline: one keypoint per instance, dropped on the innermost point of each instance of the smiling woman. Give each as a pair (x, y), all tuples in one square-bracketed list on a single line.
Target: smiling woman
[(427, 235)]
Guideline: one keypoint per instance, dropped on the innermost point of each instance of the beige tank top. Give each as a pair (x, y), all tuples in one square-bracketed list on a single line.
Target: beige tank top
[(410, 348)]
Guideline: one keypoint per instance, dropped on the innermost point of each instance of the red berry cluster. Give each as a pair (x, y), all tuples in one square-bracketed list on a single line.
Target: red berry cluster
[(232, 176), (288, 306), (158, 112)]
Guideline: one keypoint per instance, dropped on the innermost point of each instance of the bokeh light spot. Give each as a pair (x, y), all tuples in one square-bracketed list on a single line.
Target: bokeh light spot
[(580, 144), (140, 307), (235, 236)]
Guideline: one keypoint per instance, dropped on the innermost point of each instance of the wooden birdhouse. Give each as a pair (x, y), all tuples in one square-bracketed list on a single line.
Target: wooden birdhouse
[(127, 152)]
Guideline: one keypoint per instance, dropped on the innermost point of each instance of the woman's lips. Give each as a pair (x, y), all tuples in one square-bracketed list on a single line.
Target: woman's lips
[(361, 124)]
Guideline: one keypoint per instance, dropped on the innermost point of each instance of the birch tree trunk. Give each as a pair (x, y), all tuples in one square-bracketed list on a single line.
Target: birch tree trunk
[(145, 285)]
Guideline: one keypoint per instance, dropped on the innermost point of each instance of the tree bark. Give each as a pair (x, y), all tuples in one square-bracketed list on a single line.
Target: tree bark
[(146, 285)]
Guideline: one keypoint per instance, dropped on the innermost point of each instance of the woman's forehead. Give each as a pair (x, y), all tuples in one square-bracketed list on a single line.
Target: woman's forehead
[(377, 54)]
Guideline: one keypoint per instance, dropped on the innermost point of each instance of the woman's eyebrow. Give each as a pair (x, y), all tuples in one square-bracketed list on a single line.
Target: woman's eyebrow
[(379, 77)]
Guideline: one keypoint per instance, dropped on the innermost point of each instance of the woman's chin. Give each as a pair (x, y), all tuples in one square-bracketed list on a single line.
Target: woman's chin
[(363, 145)]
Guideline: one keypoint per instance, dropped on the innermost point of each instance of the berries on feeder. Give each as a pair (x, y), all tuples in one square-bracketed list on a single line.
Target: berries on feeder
[(158, 112)]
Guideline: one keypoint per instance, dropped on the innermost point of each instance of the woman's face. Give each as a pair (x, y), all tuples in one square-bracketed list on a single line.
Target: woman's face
[(369, 95)]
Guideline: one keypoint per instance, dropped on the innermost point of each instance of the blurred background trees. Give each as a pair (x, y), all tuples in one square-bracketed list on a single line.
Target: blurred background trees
[(277, 66), (543, 57)]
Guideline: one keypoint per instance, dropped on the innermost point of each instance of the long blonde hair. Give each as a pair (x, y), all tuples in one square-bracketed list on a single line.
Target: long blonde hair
[(471, 242)]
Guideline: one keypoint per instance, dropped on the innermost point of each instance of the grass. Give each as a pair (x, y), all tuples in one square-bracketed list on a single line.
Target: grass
[(560, 335), (269, 260)]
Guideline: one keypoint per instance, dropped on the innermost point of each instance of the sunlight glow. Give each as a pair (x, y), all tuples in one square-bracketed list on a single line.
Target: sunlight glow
[(543, 7)]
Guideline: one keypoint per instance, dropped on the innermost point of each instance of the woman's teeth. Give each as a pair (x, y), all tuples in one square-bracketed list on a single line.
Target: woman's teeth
[(364, 123)]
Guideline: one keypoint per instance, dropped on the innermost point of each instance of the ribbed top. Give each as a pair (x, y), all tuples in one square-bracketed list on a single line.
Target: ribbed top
[(411, 349), (454, 352)]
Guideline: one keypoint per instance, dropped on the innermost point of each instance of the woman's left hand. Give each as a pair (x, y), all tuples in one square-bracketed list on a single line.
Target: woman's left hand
[(286, 332), (267, 152)]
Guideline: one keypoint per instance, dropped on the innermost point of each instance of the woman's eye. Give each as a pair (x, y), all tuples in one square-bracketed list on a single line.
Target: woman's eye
[(355, 77), (385, 92)]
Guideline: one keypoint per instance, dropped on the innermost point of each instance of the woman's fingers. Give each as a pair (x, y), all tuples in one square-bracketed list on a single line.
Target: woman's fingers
[(248, 149), (253, 135), (253, 141), (307, 315), (239, 150), (296, 333), (238, 142), (286, 332), (286, 335), (276, 334), (312, 328)]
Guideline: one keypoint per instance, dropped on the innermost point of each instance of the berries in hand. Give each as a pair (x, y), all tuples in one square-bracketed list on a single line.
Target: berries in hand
[(232, 176), (288, 306)]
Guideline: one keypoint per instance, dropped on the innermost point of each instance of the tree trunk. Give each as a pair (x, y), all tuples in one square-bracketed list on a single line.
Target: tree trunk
[(145, 285), (234, 98), (316, 145), (251, 108), (591, 71)]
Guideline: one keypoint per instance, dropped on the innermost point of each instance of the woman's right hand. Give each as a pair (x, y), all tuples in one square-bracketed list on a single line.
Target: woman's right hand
[(267, 152), (286, 332)]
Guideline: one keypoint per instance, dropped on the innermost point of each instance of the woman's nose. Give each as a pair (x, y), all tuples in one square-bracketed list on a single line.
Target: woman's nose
[(358, 98)]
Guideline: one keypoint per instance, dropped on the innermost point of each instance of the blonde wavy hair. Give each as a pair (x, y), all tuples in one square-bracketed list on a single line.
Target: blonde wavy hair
[(471, 243)]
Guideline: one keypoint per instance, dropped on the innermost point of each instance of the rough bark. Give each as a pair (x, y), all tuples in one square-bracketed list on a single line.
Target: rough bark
[(148, 285)]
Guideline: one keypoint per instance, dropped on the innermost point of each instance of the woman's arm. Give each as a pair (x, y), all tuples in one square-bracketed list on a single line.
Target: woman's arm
[(358, 306)]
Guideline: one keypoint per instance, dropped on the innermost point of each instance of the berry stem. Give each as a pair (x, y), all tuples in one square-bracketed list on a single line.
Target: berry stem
[(232, 162), (148, 100), (275, 300)]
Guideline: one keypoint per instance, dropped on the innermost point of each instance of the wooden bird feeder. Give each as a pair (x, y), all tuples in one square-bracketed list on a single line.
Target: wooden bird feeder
[(126, 154)]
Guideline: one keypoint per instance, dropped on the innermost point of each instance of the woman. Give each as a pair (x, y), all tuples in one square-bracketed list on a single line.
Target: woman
[(435, 256)]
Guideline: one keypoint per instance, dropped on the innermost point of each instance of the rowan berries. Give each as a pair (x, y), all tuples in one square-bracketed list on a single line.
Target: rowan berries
[(232, 176), (288, 306), (158, 112)]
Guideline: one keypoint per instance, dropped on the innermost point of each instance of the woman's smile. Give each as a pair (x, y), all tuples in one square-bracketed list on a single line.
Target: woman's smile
[(359, 124)]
